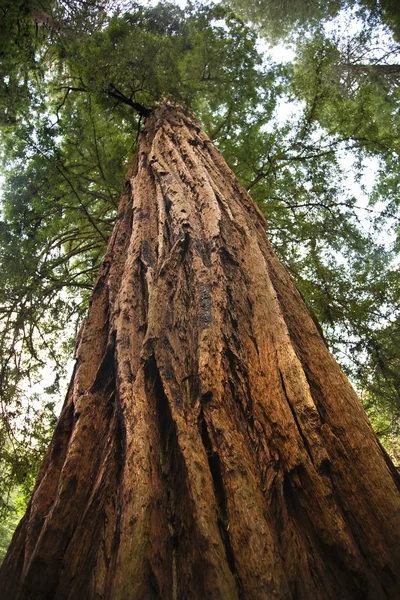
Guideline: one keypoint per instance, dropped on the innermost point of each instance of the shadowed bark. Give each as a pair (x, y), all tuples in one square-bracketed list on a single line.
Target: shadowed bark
[(209, 445)]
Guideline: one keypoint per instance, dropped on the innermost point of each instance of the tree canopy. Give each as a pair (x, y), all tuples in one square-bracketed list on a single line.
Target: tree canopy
[(77, 78)]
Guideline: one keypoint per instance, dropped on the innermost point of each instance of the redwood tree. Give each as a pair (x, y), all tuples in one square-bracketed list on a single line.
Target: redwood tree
[(209, 445)]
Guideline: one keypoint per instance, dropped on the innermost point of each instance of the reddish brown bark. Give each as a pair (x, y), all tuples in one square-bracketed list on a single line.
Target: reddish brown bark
[(209, 446)]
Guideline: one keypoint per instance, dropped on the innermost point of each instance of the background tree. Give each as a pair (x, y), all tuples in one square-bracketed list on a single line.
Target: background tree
[(280, 19)]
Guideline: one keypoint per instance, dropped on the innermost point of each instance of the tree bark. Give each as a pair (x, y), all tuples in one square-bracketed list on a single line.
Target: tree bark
[(209, 446)]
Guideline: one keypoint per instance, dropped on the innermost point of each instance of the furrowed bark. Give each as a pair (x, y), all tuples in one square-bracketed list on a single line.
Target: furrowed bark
[(209, 446)]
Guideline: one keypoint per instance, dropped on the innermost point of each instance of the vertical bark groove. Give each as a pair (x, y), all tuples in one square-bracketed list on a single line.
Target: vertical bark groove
[(214, 464), (209, 446)]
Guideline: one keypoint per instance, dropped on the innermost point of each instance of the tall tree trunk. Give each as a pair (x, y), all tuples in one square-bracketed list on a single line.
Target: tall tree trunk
[(209, 445)]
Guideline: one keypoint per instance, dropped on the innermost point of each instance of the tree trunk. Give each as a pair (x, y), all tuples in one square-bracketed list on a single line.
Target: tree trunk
[(209, 445), (377, 70)]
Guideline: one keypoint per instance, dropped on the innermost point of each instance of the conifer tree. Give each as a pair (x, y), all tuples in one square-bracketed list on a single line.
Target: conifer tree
[(209, 445)]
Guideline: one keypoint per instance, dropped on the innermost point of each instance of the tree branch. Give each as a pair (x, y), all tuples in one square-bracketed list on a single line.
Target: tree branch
[(118, 95)]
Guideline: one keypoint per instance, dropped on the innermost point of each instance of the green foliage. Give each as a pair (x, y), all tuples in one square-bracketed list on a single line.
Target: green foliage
[(347, 96), (9, 523), (30, 34), (279, 18), (200, 58)]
